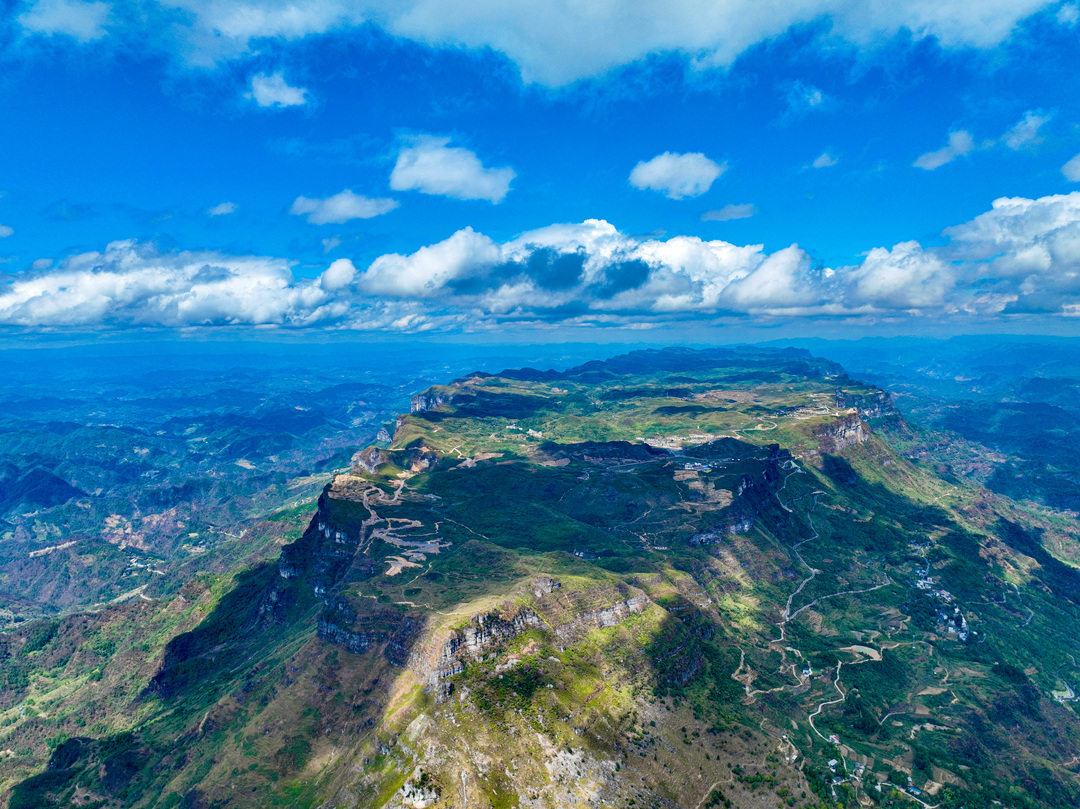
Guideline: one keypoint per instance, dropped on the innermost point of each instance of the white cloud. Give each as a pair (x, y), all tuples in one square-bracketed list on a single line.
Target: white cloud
[(1068, 15), (677, 175), (1021, 257), (557, 43), (804, 98), (341, 208), (1071, 170), (729, 212), (222, 209), (5, 231), (330, 243), (824, 160), (1025, 132), (1014, 225), (132, 284), (906, 277), (40, 264), (211, 31), (426, 272), (1028, 249), (781, 281), (271, 90), (84, 22), (960, 144), (430, 165), (338, 275)]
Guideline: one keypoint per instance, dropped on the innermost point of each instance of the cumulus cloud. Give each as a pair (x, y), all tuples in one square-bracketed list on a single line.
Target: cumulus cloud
[(431, 166), (960, 143), (133, 284), (1027, 250), (339, 275), (677, 175), (1019, 258), (341, 208), (212, 31), (1071, 170), (222, 209), (905, 277), (1025, 132), (824, 160), (271, 90), (82, 21), (427, 272), (5, 231), (729, 212)]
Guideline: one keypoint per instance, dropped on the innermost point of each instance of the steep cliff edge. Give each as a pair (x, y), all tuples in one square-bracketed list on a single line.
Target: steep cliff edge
[(875, 404), (841, 433)]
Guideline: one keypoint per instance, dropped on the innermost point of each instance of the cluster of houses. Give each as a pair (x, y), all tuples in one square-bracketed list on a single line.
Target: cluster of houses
[(530, 431), (956, 624), (677, 442), (858, 771)]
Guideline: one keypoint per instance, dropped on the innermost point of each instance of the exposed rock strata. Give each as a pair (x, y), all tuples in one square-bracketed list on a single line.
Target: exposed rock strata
[(370, 459), (423, 402), (844, 432), (870, 406)]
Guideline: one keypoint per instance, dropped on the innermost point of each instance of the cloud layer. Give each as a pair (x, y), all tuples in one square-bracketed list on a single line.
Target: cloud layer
[(551, 43), (1020, 258), (82, 21)]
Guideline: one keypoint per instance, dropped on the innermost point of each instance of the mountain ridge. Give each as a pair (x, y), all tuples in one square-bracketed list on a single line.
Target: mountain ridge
[(585, 593)]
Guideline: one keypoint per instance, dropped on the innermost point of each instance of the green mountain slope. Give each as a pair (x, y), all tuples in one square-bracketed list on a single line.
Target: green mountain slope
[(672, 579)]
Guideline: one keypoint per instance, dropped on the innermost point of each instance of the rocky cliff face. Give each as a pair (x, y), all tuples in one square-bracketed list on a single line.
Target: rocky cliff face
[(443, 657), (428, 400), (603, 617), (370, 459), (415, 459), (446, 653), (870, 406), (841, 433), (325, 553), (342, 624), (753, 495)]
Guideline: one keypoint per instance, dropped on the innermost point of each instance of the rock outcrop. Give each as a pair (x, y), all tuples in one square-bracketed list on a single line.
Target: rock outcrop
[(446, 654), (428, 400), (326, 553), (844, 432), (443, 657), (876, 405), (356, 631), (370, 459), (753, 496), (603, 617)]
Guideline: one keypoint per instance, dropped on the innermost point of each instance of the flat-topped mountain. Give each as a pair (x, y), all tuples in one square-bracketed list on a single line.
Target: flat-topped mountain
[(671, 579)]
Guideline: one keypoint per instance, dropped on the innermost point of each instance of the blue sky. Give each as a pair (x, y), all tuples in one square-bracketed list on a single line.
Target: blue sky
[(414, 167)]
